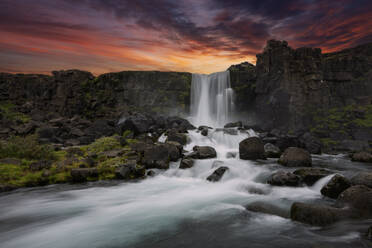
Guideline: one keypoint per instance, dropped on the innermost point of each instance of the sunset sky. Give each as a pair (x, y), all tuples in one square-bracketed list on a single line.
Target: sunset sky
[(38, 36)]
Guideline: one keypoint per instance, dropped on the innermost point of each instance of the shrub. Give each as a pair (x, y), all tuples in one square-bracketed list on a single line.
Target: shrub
[(25, 148)]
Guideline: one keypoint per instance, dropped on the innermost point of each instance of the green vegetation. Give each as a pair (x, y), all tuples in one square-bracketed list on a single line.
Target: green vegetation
[(25, 148), (7, 109), (25, 151)]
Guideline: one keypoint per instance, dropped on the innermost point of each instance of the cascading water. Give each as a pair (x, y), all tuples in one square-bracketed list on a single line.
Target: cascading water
[(177, 207), (211, 99)]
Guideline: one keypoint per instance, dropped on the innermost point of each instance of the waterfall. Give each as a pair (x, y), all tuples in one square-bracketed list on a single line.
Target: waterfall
[(212, 99)]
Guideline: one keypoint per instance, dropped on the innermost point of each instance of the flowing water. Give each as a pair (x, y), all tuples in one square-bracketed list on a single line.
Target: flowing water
[(178, 208)]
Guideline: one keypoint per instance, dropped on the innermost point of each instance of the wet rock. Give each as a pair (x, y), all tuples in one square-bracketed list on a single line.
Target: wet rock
[(362, 178), (150, 173), (182, 124), (311, 175), (353, 145), (268, 208), (173, 151), (200, 128), (311, 143), (217, 174), (272, 151), (282, 178), (335, 186), (362, 157), (231, 154), (233, 124), (130, 170), (40, 165), (136, 123), (251, 149), (83, 174), (177, 137), (204, 132), (186, 163), (204, 152), (156, 156), (317, 215), (358, 197), (295, 157)]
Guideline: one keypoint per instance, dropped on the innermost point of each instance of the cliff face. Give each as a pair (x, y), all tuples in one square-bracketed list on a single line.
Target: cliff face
[(295, 89), (73, 92)]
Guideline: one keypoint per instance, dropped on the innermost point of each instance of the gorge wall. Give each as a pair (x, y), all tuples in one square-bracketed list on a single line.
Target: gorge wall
[(292, 90)]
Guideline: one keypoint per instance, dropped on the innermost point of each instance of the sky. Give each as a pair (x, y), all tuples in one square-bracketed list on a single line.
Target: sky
[(203, 36)]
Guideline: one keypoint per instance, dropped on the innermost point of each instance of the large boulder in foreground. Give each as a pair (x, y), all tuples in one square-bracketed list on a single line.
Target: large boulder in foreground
[(282, 178), (295, 157), (362, 178), (217, 174), (251, 149), (335, 186), (359, 198), (318, 215), (311, 175)]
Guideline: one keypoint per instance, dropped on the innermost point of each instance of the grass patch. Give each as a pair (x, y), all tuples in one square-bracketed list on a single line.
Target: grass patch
[(7, 110)]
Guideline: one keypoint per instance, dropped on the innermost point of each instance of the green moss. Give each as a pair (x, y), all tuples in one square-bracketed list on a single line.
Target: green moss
[(25, 148), (103, 144), (127, 133), (10, 172), (60, 177), (7, 110)]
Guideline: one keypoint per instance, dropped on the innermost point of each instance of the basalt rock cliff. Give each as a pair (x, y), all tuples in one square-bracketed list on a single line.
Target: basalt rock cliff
[(293, 91)]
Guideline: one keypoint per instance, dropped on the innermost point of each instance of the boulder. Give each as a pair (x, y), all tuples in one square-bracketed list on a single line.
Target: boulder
[(173, 151), (100, 128), (150, 173), (83, 174), (112, 153), (272, 151), (362, 178), (177, 137), (204, 132), (130, 170), (318, 215), (358, 197), (181, 124), (335, 186), (186, 163), (204, 152), (311, 175), (295, 157), (282, 178), (251, 149), (137, 123), (362, 157), (156, 156), (217, 174)]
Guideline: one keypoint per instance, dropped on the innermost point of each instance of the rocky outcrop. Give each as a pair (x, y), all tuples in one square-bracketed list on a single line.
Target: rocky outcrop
[(299, 90), (251, 149), (295, 157)]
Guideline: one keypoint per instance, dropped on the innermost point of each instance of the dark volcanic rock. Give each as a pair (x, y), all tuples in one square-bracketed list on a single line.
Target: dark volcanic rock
[(130, 170), (137, 123), (268, 208), (311, 143), (217, 174), (156, 156), (40, 165), (311, 175), (251, 148), (295, 157), (186, 163), (318, 215), (358, 197), (203, 152), (204, 132), (177, 137), (83, 174), (362, 178), (335, 186), (282, 178), (233, 124)]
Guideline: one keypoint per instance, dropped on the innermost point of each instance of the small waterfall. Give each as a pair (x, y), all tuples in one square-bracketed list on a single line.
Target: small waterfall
[(212, 99)]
